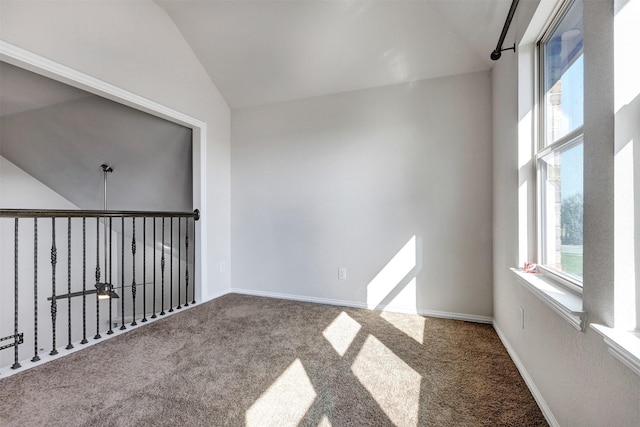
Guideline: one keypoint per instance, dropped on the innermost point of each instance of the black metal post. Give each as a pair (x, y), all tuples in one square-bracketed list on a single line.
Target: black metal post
[(84, 281), (186, 271), (171, 265), (179, 260), (16, 364), (144, 269), (110, 281), (162, 313), (122, 325), (69, 345), (54, 304), (35, 357), (97, 335), (153, 316), (133, 264), (194, 258)]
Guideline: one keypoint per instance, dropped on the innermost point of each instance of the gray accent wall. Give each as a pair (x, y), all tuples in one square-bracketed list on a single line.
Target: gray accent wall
[(63, 146)]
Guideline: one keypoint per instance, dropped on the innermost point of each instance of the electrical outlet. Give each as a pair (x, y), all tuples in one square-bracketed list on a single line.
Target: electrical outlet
[(522, 317), (223, 266), (342, 273)]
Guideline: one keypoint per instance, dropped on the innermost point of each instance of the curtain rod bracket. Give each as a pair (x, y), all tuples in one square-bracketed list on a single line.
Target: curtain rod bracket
[(496, 54)]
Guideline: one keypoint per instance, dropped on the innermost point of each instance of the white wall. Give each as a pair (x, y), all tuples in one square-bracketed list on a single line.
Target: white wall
[(134, 45), (627, 164), (582, 384), (393, 183)]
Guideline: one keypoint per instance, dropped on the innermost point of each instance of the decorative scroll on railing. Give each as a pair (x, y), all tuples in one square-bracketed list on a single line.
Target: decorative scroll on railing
[(81, 240)]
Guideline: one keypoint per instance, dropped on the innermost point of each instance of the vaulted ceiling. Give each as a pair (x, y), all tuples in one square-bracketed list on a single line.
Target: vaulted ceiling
[(259, 52), (256, 52)]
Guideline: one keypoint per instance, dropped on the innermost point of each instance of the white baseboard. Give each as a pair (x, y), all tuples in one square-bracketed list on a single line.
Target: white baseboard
[(356, 304), (546, 411)]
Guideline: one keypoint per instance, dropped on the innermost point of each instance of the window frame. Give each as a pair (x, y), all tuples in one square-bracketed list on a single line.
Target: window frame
[(541, 149)]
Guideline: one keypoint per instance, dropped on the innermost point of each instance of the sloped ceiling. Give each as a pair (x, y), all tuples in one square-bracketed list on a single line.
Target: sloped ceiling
[(23, 91), (61, 135), (259, 52)]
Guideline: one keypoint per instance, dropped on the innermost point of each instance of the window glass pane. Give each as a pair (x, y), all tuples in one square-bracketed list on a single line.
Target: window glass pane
[(562, 209), (563, 76)]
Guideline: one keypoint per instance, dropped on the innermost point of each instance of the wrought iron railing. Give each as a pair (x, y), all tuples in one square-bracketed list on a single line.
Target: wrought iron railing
[(92, 275)]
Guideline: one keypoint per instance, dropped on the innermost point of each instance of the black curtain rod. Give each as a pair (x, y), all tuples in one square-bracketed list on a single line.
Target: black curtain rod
[(497, 53)]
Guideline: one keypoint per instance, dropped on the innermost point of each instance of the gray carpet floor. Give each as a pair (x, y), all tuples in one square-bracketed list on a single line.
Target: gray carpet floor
[(242, 360)]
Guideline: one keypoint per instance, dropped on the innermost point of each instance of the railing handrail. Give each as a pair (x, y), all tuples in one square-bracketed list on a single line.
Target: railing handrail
[(170, 254), (55, 213)]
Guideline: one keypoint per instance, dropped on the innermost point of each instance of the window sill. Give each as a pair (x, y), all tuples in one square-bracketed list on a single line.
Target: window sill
[(624, 345), (567, 304)]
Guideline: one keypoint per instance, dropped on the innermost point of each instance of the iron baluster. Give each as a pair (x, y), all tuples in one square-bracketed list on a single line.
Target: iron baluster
[(35, 357), (84, 281), (110, 331), (179, 261), (69, 345), (97, 335), (186, 271), (171, 265), (133, 262), (122, 325), (153, 316), (54, 304), (144, 269), (162, 313), (194, 257), (16, 364)]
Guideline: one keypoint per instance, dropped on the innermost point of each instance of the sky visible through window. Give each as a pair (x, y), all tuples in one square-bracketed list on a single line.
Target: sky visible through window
[(573, 159)]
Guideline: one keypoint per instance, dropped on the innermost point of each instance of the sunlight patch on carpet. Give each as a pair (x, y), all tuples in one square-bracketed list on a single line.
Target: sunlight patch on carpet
[(393, 384), (341, 332), (285, 402), (413, 326), (324, 422)]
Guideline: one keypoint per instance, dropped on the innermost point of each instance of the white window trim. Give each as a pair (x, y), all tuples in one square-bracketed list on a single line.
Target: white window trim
[(564, 300), (565, 303), (542, 150), (623, 345)]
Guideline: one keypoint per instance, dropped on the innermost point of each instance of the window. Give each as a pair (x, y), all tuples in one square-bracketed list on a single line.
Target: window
[(560, 147)]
